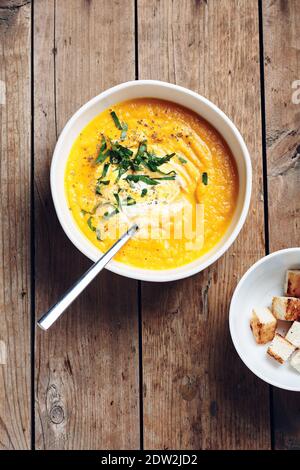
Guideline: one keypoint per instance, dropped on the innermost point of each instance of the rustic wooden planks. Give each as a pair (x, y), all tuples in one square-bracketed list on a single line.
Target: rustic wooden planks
[(197, 393), (15, 167), (282, 67), (87, 365)]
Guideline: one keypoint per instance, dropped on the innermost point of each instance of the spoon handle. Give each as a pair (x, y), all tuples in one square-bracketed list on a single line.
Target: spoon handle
[(56, 310)]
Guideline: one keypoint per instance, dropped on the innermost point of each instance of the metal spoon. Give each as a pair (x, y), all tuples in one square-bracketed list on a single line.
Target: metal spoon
[(56, 310)]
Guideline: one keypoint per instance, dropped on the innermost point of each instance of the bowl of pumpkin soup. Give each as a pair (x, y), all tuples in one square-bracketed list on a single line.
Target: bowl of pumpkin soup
[(158, 155)]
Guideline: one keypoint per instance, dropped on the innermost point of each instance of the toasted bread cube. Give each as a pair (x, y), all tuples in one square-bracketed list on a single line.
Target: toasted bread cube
[(286, 308), (292, 283), (295, 361), (293, 335), (263, 325), (280, 349)]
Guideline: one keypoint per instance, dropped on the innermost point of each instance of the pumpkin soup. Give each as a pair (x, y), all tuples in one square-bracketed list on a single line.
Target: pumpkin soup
[(160, 165)]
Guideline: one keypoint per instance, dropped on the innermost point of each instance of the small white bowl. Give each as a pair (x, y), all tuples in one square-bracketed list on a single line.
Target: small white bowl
[(182, 96), (256, 289)]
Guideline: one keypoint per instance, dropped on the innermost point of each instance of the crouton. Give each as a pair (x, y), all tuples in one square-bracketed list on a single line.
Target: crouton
[(295, 361), (263, 325), (292, 283), (293, 335), (286, 308), (280, 349)]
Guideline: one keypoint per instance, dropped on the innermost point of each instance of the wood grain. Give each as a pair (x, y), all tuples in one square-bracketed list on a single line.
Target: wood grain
[(87, 364), (282, 68), (197, 392), (15, 167)]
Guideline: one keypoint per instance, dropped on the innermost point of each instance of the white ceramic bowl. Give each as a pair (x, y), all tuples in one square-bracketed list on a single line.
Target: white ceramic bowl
[(166, 91), (256, 289)]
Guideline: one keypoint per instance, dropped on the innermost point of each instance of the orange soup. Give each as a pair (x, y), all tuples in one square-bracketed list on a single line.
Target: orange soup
[(160, 165)]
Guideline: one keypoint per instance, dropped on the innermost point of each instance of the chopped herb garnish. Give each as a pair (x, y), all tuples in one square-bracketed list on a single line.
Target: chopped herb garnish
[(98, 234), (182, 160), (147, 179), (120, 155), (148, 159), (116, 120), (102, 156), (108, 215), (103, 144), (166, 177), (205, 178), (122, 159), (117, 198), (172, 172), (105, 169), (142, 147), (90, 224), (121, 126), (121, 171), (91, 212), (140, 155), (98, 186), (130, 201), (153, 161), (144, 178), (124, 131), (144, 192)]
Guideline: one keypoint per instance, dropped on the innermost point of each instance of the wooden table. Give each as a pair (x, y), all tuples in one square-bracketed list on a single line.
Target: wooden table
[(138, 364)]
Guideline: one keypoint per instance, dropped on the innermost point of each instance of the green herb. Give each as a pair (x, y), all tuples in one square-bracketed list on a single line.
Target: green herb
[(172, 172), (144, 178), (205, 178), (105, 169), (147, 179), (117, 198), (142, 147), (166, 178), (102, 156), (140, 154), (108, 215), (121, 171), (116, 120), (144, 192), (90, 224), (92, 212), (148, 159), (130, 201), (98, 234), (103, 144), (153, 162), (182, 160), (124, 131), (122, 127), (98, 186), (120, 154)]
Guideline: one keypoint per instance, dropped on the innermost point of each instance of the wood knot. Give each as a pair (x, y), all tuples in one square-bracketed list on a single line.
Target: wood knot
[(57, 414), (213, 409), (188, 387)]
